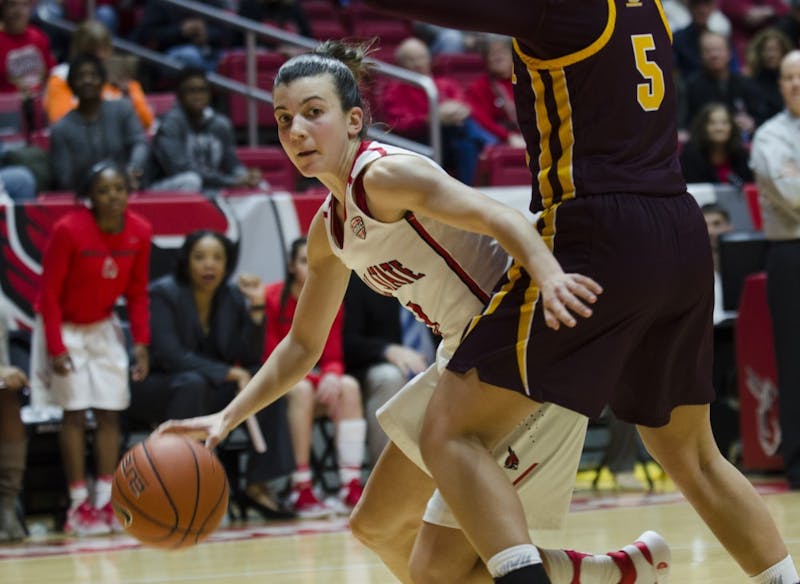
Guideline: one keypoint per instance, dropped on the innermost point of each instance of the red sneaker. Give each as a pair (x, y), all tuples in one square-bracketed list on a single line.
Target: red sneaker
[(351, 493), (107, 515), (85, 520), (306, 505)]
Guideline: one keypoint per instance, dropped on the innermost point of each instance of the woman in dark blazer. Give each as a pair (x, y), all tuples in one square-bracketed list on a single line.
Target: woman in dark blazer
[(207, 341)]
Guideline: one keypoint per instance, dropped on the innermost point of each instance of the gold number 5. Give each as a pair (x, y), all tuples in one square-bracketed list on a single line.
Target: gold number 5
[(649, 94)]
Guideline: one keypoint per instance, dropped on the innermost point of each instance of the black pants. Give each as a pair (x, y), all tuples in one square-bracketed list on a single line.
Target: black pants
[(162, 397), (783, 295)]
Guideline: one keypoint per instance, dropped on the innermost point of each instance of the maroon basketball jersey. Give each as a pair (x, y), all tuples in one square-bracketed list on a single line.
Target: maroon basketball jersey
[(596, 102)]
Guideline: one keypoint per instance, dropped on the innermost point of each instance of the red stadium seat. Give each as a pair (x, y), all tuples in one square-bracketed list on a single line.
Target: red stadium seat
[(273, 163), (388, 33), (503, 166), (234, 66), (463, 67), (160, 103), (751, 197)]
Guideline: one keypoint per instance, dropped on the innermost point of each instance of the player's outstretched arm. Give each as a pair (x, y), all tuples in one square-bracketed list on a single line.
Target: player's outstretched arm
[(398, 183), (294, 356)]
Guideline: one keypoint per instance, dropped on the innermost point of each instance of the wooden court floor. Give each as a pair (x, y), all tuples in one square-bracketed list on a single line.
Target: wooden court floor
[(324, 552)]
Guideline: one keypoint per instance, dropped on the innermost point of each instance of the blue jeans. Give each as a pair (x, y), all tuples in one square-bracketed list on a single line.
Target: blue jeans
[(19, 182)]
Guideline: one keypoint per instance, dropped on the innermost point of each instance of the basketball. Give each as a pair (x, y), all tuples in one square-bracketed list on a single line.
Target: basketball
[(169, 492)]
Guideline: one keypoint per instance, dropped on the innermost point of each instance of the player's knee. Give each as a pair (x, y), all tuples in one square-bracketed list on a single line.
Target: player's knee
[(350, 405), (378, 527), (302, 393)]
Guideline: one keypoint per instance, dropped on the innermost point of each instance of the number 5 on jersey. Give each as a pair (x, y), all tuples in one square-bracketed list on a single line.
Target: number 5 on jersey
[(649, 94)]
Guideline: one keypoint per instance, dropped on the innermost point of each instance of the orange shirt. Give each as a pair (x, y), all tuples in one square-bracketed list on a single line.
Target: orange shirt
[(58, 99)]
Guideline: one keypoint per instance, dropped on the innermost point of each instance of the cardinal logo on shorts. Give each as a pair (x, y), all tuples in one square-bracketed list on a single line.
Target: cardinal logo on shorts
[(512, 460), (358, 227)]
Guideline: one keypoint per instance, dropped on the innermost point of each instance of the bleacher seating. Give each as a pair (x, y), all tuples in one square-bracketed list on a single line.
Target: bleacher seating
[(161, 102), (751, 197), (234, 65), (463, 67), (273, 163), (502, 165)]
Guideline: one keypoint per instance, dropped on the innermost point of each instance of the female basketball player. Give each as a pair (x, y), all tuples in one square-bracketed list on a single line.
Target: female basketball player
[(596, 104), (411, 231)]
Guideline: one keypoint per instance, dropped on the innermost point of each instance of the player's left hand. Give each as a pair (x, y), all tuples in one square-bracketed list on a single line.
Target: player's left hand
[(566, 295), (210, 428)]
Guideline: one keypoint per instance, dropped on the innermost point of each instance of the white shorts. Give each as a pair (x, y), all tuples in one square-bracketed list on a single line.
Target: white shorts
[(540, 456), (99, 378)]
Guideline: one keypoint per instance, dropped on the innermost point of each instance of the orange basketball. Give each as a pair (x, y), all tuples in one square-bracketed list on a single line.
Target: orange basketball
[(169, 492)]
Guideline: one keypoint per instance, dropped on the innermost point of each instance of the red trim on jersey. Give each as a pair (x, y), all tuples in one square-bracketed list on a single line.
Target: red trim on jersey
[(363, 147), (360, 196), (525, 473), (473, 286), (337, 227)]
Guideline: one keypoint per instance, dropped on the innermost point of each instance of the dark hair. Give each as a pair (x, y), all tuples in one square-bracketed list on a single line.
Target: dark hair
[(81, 59), (190, 72), (344, 62), (716, 208), (699, 133), (90, 179), (294, 249), (181, 272)]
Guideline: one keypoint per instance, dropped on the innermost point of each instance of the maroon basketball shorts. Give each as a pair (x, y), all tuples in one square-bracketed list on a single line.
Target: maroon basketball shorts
[(648, 346)]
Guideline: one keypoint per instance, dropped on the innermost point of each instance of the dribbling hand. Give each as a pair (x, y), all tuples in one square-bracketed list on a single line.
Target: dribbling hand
[(209, 428), (565, 295)]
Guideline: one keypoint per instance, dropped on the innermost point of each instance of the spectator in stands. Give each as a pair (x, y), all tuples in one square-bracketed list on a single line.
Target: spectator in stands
[(748, 17), (79, 360), (277, 12), (182, 35), (325, 391), (25, 56), (716, 82), (718, 222), (764, 55), (491, 96), (789, 24), (375, 354), (679, 16), (686, 40), (97, 129), (775, 160), (442, 40), (13, 446), (194, 148), (406, 110), (93, 37), (208, 338), (714, 152)]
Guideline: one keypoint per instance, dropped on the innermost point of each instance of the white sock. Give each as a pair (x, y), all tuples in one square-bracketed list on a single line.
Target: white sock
[(598, 569), (783, 572), (78, 493), (102, 491), (301, 476), (351, 436), (513, 558)]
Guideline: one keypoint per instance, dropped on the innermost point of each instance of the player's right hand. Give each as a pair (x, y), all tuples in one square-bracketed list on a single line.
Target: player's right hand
[(209, 428)]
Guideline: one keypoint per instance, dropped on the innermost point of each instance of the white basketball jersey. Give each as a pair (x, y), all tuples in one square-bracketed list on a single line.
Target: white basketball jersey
[(442, 274)]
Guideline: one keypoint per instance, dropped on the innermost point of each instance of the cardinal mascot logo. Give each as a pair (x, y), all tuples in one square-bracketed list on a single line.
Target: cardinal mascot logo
[(512, 460)]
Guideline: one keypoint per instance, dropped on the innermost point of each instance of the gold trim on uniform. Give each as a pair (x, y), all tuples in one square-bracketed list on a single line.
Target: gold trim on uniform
[(566, 137), (572, 58), (545, 129), (664, 19)]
